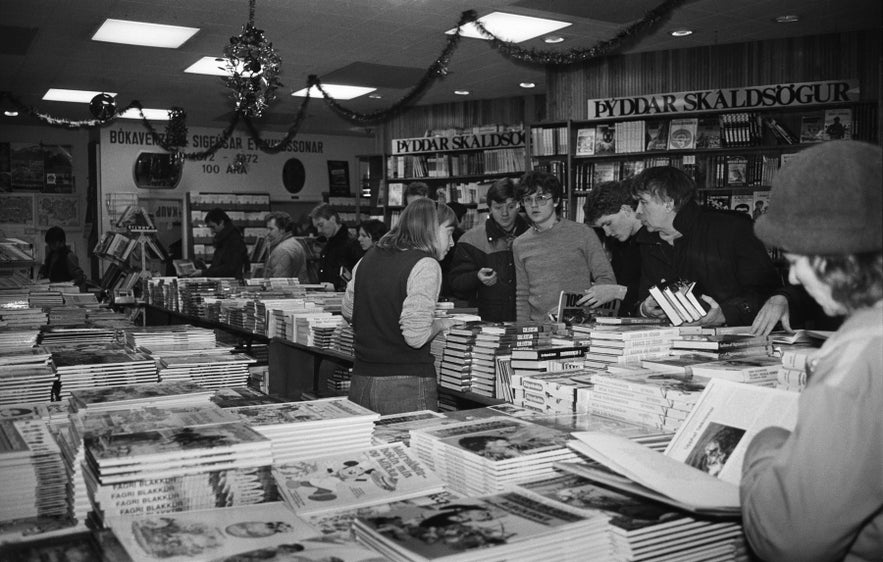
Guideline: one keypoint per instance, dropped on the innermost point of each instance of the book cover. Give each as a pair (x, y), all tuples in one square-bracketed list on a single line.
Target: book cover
[(757, 369), (682, 133), (656, 134), (717, 201), (742, 202), (761, 204), (585, 142), (605, 139), (708, 132), (604, 172), (376, 475), (737, 171), (396, 193), (838, 124), (812, 128), (721, 342), (209, 534), (478, 525)]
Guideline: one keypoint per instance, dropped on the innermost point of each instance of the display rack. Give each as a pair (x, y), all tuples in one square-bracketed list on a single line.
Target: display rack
[(133, 237)]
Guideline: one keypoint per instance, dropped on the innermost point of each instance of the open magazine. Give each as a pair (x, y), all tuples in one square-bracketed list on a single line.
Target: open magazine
[(569, 312), (184, 268), (702, 466)]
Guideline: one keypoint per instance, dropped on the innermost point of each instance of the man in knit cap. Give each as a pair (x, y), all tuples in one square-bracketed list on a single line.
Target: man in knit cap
[(817, 493)]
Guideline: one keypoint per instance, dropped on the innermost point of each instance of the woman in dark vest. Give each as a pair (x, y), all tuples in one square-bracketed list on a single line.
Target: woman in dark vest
[(391, 303), (61, 263)]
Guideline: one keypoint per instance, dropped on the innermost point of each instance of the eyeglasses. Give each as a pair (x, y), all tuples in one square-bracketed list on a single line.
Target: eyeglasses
[(536, 200)]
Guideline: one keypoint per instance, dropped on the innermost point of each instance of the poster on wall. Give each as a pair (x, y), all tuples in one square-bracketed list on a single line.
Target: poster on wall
[(27, 166), (17, 209), (58, 210), (338, 178), (58, 169)]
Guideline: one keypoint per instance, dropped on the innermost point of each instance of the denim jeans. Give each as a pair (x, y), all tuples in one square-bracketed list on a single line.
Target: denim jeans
[(394, 394)]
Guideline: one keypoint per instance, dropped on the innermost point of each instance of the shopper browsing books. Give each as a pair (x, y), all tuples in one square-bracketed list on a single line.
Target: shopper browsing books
[(340, 253), (61, 263), (482, 269), (391, 303), (555, 255), (285, 255), (716, 249), (370, 231), (611, 207), (817, 493), (230, 258)]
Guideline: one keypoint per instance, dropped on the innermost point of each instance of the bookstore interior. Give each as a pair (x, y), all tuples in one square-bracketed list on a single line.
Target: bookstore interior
[(190, 190)]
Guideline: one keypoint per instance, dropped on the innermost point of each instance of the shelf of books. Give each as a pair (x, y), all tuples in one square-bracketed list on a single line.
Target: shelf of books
[(458, 164), (248, 212), (16, 262), (731, 154)]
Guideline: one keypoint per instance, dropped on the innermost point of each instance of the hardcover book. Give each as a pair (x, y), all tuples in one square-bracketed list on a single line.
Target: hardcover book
[(682, 133), (812, 128), (605, 139), (838, 124), (656, 134), (585, 142)]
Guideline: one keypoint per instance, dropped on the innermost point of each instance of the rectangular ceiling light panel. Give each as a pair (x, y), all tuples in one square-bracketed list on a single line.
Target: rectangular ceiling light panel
[(75, 96), (511, 27), (336, 91), (143, 34)]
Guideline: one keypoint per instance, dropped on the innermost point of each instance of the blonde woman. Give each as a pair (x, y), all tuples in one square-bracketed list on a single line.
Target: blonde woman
[(391, 302)]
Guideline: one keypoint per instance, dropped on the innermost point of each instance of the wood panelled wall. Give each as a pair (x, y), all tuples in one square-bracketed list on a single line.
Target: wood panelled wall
[(854, 55)]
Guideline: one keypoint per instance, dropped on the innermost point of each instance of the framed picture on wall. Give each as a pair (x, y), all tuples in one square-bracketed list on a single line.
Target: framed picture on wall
[(17, 209), (58, 210), (338, 178)]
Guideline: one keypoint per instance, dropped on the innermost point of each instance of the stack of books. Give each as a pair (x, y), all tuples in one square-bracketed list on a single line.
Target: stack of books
[(176, 468), (317, 330), (626, 343), (89, 367), (482, 456), (23, 318), (243, 396), (456, 363), (67, 316), (58, 337), (494, 344), (648, 399), (26, 376), (396, 428), (300, 430), (504, 526), (34, 478), (208, 368), (555, 392), (793, 372), (342, 338), (170, 338), (330, 482), (262, 532)]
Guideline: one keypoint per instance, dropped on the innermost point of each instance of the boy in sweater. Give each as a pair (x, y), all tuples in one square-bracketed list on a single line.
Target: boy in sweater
[(555, 254)]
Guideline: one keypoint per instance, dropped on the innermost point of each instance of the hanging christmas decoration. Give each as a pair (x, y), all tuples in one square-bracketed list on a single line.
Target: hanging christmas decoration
[(651, 20), (176, 128), (103, 107), (254, 69)]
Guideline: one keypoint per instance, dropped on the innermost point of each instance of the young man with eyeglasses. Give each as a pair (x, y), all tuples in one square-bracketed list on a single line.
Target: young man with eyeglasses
[(483, 270), (556, 254)]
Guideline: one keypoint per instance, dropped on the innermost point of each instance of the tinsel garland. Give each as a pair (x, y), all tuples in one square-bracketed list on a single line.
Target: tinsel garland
[(651, 20), (175, 136), (176, 128), (279, 146)]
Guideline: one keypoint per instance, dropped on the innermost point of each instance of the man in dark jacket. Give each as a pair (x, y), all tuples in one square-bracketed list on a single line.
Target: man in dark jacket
[(61, 264), (340, 253), (230, 258), (716, 249), (482, 270)]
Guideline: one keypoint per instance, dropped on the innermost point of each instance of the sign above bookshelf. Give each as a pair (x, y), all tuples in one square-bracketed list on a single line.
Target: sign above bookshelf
[(792, 95)]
